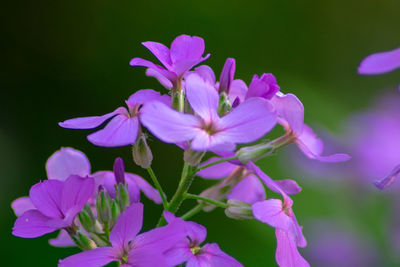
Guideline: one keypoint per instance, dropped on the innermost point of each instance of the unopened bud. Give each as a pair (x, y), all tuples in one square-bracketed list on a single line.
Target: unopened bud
[(86, 221), (224, 105), (193, 158), (238, 210), (85, 241), (122, 194), (141, 152), (115, 210), (226, 77), (103, 206), (119, 171), (178, 100)]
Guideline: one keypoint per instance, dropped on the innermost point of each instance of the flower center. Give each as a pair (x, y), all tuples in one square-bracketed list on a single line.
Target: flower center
[(210, 128), (195, 250)]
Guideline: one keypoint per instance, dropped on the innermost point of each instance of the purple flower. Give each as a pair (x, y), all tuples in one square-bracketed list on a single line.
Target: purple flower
[(185, 53), (188, 249), (127, 246), (246, 123), (264, 86), (380, 63), (124, 127), (291, 116), (56, 205)]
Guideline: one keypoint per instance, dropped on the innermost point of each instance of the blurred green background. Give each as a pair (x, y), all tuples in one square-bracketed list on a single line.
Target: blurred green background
[(63, 59)]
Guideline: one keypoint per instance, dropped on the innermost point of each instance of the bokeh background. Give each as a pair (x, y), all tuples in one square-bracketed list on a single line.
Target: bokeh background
[(63, 59)]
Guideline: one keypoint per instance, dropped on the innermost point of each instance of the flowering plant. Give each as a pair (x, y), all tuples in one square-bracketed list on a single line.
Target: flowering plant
[(101, 212)]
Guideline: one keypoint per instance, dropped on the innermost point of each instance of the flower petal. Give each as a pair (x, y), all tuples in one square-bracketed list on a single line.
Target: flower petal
[(287, 254), (160, 51), (160, 77), (203, 97), (147, 95), (290, 187), (75, 193), (22, 204), (204, 141), (185, 47), (381, 62), (145, 187), (120, 131), (140, 62), (226, 77), (62, 240), (127, 226), (90, 258), (217, 171), (249, 190), (46, 197), (212, 255), (248, 122), (265, 86), (291, 112), (167, 124), (271, 212), (32, 224), (238, 89), (90, 122), (65, 162), (204, 72)]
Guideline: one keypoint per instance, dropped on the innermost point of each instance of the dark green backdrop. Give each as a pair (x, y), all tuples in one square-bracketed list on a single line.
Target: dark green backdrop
[(62, 59)]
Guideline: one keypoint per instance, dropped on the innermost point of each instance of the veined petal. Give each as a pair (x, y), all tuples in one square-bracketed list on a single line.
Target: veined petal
[(65, 162), (167, 124), (287, 254), (90, 122), (147, 95), (181, 67), (90, 258), (381, 62), (217, 142), (185, 47), (217, 171), (312, 147), (248, 122), (22, 204), (46, 197), (291, 111), (127, 226), (271, 212), (249, 190), (120, 131), (32, 224), (145, 187), (203, 97), (75, 193), (160, 51)]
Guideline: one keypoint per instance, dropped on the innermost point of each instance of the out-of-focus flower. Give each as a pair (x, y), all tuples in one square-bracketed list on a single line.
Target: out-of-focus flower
[(129, 248), (124, 126), (248, 122), (56, 205), (185, 53), (380, 63), (188, 249)]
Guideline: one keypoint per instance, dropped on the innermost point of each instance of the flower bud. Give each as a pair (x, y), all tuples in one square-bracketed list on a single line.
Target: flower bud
[(226, 77), (103, 206), (115, 210), (141, 153), (193, 158), (86, 221), (178, 100), (238, 210), (224, 105), (119, 171), (122, 194), (85, 242)]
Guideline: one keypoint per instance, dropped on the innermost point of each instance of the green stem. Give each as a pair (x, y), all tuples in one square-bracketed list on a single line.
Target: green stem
[(208, 200), (215, 163), (192, 212), (158, 186)]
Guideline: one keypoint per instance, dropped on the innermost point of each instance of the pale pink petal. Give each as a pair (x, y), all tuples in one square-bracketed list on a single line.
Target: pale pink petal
[(65, 162)]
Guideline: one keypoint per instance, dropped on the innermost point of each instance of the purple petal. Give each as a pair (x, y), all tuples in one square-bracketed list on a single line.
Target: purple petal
[(107, 179), (249, 190), (205, 72), (22, 204), (185, 47), (203, 97), (46, 197), (238, 90), (160, 77), (265, 86), (287, 254), (248, 122), (147, 95), (379, 63), (160, 51), (65, 162), (212, 256), (291, 112), (139, 62), (271, 184), (312, 147), (62, 240), (290, 187), (119, 171), (226, 78), (167, 124), (144, 257), (32, 224), (120, 131), (271, 212), (75, 193), (217, 171), (90, 122), (90, 258), (145, 187), (383, 183), (216, 142), (127, 226)]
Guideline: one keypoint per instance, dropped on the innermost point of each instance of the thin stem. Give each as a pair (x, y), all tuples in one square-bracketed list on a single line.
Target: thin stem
[(208, 200), (158, 186), (196, 209), (215, 163)]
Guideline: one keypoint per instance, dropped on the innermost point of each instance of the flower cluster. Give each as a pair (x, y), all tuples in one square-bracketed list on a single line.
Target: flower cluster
[(212, 122)]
